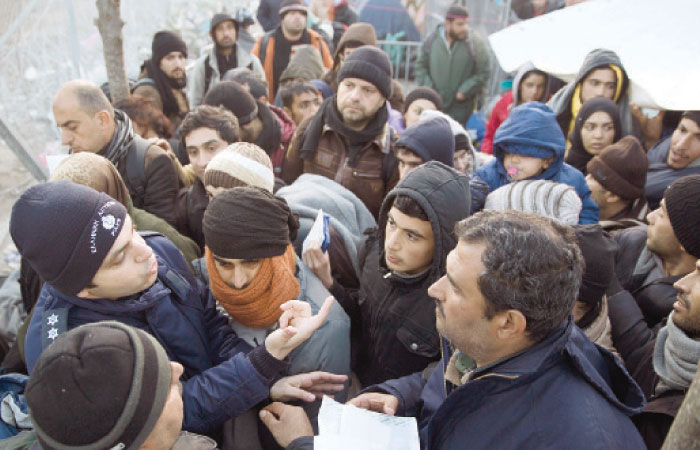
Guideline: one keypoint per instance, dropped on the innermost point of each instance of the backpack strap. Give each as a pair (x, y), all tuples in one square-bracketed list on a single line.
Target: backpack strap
[(136, 169), (208, 72)]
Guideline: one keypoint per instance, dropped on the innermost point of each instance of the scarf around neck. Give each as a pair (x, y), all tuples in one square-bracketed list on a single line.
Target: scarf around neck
[(329, 115), (675, 358), (121, 139), (258, 304)]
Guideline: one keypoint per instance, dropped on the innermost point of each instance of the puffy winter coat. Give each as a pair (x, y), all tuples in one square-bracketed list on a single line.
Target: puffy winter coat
[(531, 130), (219, 380)]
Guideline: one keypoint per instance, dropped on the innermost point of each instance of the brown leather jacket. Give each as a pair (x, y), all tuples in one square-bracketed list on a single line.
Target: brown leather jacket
[(373, 175)]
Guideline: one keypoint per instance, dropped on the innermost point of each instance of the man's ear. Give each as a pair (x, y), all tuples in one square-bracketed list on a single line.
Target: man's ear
[(103, 118), (511, 324), (86, 294), (612, 198), (287, 110)]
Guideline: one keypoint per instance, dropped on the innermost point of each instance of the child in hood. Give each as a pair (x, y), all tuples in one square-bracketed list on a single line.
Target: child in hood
[(529, 145)]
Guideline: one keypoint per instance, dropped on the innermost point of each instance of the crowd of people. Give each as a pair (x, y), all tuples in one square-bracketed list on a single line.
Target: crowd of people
[(536, 289)]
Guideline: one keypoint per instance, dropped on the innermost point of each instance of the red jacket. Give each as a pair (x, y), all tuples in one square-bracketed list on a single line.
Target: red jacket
[(498, 115)]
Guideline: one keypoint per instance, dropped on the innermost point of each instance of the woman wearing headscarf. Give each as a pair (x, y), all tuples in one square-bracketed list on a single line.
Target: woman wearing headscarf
[(597, 126)]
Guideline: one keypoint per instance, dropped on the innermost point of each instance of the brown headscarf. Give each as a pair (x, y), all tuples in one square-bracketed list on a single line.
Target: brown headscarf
[(94, 171), (258, 304)]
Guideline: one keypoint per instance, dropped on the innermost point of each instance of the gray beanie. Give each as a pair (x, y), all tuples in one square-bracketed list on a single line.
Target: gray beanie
[(100, 385), (557, 201)]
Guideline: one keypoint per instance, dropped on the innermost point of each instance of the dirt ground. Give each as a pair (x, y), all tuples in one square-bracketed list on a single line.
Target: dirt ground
[(14, 179)]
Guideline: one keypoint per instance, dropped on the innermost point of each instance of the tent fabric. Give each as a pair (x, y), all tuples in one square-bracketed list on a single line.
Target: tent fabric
[(655, 41)]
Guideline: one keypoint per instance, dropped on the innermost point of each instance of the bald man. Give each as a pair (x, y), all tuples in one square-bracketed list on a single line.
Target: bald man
[(89, 123)]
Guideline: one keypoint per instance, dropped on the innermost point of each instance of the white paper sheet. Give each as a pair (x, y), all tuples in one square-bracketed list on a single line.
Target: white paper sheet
[(345, 427)]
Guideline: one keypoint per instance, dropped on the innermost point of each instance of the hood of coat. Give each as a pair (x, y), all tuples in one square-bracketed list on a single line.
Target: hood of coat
[(561, 101), (305, 62), (531, 129), (358, 32), (524, 70), (444, 195)]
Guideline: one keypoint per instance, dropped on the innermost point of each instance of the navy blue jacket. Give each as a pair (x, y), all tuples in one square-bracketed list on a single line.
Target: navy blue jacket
[(531, 130), (564, 392), (219, 379)]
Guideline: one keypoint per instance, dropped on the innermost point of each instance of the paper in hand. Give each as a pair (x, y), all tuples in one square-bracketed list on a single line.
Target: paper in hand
[(319, 232)]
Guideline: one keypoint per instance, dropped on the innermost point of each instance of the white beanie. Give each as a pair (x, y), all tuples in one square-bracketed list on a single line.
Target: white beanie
[(557, 201)]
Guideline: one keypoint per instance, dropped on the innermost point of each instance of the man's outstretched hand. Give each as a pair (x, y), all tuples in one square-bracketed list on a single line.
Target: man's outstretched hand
[(307, 386), (297, 324)]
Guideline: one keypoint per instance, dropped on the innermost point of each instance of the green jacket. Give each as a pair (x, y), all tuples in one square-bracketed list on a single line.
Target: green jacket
[(464, 68)]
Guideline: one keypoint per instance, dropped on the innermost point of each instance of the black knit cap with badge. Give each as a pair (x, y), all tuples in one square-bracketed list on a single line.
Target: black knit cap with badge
[(65, 230), (682, 199), (100, 385)]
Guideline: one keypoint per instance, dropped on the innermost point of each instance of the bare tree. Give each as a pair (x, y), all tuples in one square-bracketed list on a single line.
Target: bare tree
[(110, 24)]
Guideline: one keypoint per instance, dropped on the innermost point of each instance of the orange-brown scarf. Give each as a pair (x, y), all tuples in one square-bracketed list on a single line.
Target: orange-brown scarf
[(258, 304)]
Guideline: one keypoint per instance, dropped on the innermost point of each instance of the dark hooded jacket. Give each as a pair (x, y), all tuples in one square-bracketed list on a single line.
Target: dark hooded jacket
[(563, 392), (661, 175), (500, 111), (431, 139), (530, 130), (561, 100), (392, 317)]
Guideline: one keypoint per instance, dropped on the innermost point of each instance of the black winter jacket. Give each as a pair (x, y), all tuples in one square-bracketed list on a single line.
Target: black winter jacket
[(392, 317)]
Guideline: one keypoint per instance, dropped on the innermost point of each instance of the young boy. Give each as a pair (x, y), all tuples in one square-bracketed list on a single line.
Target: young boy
[(529, 145)]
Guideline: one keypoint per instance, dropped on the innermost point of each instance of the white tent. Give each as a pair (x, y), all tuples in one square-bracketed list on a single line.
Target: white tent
[(656, 41)]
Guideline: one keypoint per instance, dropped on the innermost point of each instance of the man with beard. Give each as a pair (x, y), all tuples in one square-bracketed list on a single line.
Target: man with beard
[(349, 140), (266, 126), (89, 123), (276, 47), (674, 157), (455, 63), (167, 69), (651, 259), (664, 361), (224, 56)]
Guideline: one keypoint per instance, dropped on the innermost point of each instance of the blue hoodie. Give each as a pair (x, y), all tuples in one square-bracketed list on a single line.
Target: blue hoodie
[(531, 129)]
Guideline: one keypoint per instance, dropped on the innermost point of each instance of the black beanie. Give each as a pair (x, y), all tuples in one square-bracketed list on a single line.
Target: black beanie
[(220, 18), (424, 93), (692, 115), (65, 231), (431, 139), (165, 42), (456, 12), (234, 97), (100, 385), (370, 64), (248, 223), (682, 200), (598, 250)]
